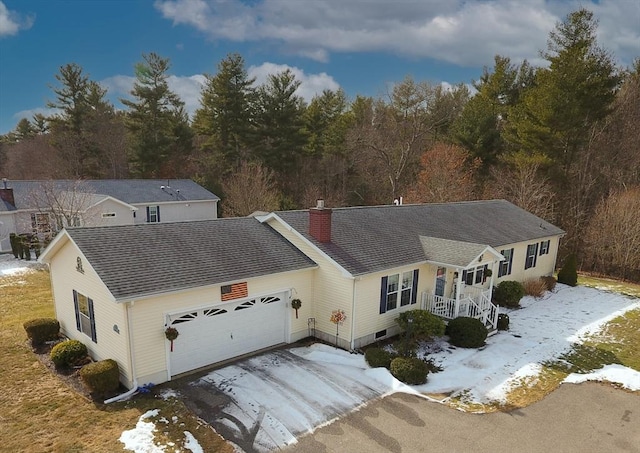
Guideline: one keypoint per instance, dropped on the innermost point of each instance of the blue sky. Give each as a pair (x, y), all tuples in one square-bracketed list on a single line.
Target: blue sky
[(362, 46)]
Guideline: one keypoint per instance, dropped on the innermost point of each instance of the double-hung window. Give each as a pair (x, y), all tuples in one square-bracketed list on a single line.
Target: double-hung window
[(153, 214), (532, 254), (544, 247), (505, 266), (398, 290), (85, 316)]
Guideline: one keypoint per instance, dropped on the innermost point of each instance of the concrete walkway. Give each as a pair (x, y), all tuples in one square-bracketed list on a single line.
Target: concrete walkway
[(581, 418)]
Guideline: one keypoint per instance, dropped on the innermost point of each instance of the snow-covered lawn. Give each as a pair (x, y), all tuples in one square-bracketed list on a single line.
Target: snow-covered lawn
[(11, 266)]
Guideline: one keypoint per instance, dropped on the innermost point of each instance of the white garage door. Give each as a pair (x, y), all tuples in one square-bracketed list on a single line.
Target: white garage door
[(218, 333)]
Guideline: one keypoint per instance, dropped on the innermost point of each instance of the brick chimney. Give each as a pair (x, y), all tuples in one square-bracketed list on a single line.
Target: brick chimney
[(6, 194), (320, 222)]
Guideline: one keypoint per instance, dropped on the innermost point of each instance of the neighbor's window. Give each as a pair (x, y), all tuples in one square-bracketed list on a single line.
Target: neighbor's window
[(532, 253), (153, 214), (505, 266), (398, 290), (544, 247), (41, 223), (85, 316), (108, 214)]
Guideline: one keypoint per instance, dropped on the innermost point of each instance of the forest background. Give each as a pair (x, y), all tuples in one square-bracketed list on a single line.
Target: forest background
[(559, 140)]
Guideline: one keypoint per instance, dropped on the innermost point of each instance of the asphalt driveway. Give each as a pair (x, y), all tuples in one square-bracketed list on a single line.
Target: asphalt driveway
[(265, 402)]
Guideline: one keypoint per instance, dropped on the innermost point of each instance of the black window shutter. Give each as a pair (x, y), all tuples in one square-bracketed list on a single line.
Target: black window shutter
[(158, 214), (510, 261), (383, 295), (535, 255), (92, 319), (414, 288), (77, 308), (148, 215)]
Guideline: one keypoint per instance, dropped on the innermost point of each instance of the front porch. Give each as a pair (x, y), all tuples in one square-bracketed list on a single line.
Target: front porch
[(473, 303)]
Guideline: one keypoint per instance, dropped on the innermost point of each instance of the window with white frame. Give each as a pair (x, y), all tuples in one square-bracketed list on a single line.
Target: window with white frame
[(476, 275), (41, 222), (505, 266), (85, 316), (544, 247), (153, 214), (532, 254), (106, 215), (398, 290)]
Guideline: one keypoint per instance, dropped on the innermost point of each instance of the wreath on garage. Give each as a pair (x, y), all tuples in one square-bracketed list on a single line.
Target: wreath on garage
[(171, 333), (296, 304)]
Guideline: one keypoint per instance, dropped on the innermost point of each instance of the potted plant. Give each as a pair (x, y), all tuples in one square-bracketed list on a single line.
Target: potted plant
[(296, 304), (171, 333)]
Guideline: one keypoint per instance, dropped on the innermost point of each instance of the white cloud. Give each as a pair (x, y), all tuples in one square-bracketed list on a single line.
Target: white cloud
[(11, 22), (28, 114), (467, 33), (310, 84)]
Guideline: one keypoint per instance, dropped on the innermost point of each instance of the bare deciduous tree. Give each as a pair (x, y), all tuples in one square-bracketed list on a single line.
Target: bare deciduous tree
[(612, 239), (251, 188), (447, 175)]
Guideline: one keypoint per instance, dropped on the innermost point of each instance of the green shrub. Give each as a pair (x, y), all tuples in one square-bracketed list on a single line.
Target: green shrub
[(40, 330), (550, 282), (68, 353), (508, 293), (101, 377), (13, 240), (409, 370), (420, 324), (569, 274), (467, 332), (503, 321), (378, 357), (405, 347)]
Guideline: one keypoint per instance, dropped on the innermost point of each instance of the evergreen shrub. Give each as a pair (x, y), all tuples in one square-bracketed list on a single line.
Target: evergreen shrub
[(68, 353), (508, 293), (410, 370), (467, 332), (40, 330), (101, 377)]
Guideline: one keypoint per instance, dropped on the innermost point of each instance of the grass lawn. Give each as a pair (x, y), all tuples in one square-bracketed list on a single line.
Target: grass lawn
[(38, 412)]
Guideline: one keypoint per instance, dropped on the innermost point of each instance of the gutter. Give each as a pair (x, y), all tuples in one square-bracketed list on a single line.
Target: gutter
[(353, 317), (132, 362)]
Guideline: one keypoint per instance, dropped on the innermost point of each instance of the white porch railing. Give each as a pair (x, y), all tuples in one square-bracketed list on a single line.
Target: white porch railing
[(473, 304)]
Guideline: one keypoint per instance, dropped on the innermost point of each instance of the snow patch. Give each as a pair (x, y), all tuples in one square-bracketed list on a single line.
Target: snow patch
[(617, 374)]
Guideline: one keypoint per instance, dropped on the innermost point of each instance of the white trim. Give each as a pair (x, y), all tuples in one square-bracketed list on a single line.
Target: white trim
[(263, 219)]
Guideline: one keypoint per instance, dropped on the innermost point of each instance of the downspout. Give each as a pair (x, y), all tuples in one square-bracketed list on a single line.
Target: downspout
[(353, 316), (132, 361)]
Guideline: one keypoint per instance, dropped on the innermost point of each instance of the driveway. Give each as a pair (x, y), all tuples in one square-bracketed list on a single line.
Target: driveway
[(265, 402)]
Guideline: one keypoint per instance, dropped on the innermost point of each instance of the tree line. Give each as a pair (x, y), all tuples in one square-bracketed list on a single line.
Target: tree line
[(559, 140)]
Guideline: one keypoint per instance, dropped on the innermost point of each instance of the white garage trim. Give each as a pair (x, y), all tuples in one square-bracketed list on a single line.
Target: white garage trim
[(216, 332)]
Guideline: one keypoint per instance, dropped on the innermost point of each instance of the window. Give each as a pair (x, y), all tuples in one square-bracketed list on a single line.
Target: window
[(471, 276), (85, 316), (505, 266), (544, 247), (399, 289), (108, 214), (153, 214), (41, 223), (532, 253)]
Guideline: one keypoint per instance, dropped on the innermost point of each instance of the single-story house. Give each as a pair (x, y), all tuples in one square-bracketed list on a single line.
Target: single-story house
[(226, 285), (44, 207)]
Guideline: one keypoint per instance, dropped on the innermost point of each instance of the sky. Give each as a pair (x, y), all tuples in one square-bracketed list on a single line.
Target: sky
[(361, 46)]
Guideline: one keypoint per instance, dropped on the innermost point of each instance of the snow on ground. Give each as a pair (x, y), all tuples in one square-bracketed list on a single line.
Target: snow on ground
[(141, 438), (626, 377), (12, 266)]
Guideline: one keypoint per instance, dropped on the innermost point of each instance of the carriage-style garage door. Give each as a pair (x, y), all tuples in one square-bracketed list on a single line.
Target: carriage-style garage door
[(221, 332)]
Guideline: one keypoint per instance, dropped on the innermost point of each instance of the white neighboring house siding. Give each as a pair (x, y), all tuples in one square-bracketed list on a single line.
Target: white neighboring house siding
[(101, 214), (179, 211), (331, 291), (8, 226), (149, 317), (545, 264), (65, 278)]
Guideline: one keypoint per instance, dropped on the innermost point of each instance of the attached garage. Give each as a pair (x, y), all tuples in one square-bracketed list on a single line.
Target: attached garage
[(227, 330)]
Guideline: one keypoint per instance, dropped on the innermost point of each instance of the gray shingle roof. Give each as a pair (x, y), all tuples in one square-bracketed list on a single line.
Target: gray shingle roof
[(447, 251), (130, 191), (371, 239), (134, 260)]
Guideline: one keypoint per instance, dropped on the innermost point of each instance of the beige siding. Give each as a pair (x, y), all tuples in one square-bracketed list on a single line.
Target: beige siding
[(332, 290), (180, 211), (368, 292), (545, 264), (149, 317), (123, 214), (65, 278)]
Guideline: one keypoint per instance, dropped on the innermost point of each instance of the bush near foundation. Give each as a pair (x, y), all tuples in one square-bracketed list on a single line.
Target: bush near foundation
[(101, 377), (378, 357), (420, 324), (68, 353), (569, 274), (409, 370), (508, 293), (535, 287), (467, 332), (40, 330), (550, 282)]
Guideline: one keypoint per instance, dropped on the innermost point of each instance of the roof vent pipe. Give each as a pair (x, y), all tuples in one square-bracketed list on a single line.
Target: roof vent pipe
[(4, 183), (319, 203)]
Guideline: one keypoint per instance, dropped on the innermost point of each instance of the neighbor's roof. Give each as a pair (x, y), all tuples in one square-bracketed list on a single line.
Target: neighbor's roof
[(371, 239), (138, 260), (132, 191)]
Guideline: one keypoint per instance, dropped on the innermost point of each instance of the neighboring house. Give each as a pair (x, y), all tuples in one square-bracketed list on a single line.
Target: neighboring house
[(226, 285), (44, 207)]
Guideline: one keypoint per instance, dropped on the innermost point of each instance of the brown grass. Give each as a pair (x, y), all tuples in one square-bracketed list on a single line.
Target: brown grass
[(535, 287), (38, 412)]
